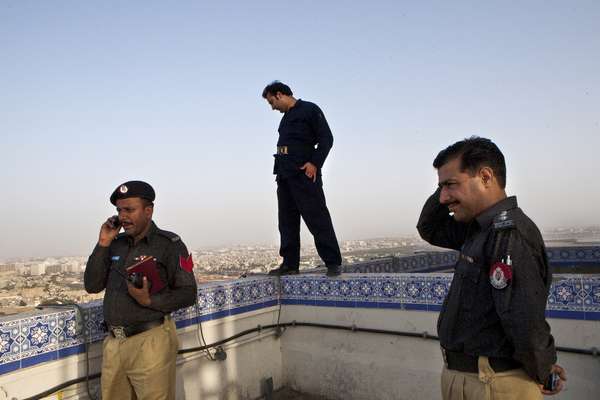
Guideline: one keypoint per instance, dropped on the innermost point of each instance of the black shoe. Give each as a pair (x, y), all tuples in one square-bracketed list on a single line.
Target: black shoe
[(334, 270), (284, 270)]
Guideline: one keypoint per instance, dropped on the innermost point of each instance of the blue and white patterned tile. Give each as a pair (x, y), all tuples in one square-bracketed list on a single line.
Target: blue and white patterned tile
[(214, 300), (249, 292), (236, 293), (69, 329), (10, 345), (573, 254), (438, 287), (415, 291), (252, 292), (93, 322), (184, 314), (298, 289), (39, 341), (268, 289), (390, 290), (566, 295), (367, 290), (203, 304), (326, 290), (591, 300)]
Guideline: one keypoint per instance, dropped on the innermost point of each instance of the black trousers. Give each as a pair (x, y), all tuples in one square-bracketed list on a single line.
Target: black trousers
[(299, 196)]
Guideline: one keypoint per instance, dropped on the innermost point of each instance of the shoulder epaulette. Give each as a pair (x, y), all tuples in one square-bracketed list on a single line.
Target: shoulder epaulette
[(173, 237), (503, 221)]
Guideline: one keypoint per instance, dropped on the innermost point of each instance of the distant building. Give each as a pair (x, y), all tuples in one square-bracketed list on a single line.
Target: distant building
[(38, 269)]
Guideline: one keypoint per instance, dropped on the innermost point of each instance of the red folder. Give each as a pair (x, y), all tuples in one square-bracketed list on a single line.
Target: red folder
[(147, 266)]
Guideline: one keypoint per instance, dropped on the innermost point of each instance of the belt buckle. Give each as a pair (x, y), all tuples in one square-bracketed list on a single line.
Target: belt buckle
[(282, 149), (118, 332)]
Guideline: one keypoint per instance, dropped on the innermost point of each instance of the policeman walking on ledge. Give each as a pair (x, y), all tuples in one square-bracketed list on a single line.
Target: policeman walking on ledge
[(298, 165), (139, 353), (495, 340)]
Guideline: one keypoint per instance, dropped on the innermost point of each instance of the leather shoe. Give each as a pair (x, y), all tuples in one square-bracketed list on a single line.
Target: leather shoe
[(284, 270), (334, 270)]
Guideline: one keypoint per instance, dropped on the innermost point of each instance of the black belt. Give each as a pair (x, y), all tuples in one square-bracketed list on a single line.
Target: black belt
[(295, 150), (467, 363), (122, 332)]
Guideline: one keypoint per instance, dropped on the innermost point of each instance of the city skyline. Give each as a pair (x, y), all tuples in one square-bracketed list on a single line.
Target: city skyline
[(98, 94)]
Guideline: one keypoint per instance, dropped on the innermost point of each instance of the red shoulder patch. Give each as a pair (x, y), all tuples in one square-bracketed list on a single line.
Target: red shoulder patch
[(186, 263)]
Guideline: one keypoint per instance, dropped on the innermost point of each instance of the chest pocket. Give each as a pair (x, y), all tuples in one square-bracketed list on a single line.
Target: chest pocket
[(470, 275), (162, 270)]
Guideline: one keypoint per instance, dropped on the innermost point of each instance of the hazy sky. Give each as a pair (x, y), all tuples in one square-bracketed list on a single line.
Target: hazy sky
[(96, 93)]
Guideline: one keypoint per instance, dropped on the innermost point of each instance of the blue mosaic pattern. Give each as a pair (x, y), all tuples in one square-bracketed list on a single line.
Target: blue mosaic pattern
[(433, 261), (10, 345), (424, 262), (30, 339), (570, 296), (221, 299), (579, 255), (412, 292)]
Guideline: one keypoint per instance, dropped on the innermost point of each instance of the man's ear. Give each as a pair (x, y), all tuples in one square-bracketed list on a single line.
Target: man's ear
[(149, 210), (487, 175)]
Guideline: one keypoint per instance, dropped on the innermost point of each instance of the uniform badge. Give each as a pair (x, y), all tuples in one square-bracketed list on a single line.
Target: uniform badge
[(186, 263), (123, 189), (501, 273), (503, 221)]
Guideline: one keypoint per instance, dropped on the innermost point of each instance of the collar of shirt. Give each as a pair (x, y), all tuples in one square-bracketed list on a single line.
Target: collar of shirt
[(296, 105), (485, 218), (149, 235)]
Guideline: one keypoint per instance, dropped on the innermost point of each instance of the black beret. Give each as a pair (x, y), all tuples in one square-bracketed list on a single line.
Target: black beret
[(133, 189)]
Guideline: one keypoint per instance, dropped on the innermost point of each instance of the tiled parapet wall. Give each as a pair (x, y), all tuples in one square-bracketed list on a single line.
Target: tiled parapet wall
[(29, 339), (569, 255), (571, 296), (423, 262), (441, 260)]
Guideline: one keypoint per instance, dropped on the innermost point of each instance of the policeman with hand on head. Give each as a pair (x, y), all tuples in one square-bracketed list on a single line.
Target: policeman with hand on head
[(140, 350), (495, 340)]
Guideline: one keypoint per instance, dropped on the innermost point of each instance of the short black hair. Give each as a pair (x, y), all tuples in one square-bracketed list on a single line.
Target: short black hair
[(147, 202), (475, 152), (276, 86)]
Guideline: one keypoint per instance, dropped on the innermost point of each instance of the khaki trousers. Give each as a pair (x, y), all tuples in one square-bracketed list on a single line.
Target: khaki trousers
[(141, 367), (488, 385)]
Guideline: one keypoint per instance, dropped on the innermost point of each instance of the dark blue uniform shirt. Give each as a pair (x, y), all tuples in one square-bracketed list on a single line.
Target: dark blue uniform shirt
[(478, 319), (302, 128)]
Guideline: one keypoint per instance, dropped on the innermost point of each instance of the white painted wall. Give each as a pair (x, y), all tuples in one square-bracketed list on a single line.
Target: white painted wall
[(249, 360), (331, 363), (354, 365)]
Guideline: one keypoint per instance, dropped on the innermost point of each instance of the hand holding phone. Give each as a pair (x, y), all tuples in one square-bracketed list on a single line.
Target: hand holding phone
[(555, 382), (109, 230), (114, 222), (551, 382)]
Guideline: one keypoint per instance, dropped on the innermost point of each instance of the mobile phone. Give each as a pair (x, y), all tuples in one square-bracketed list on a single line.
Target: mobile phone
[(551, 382), (114, 222)]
